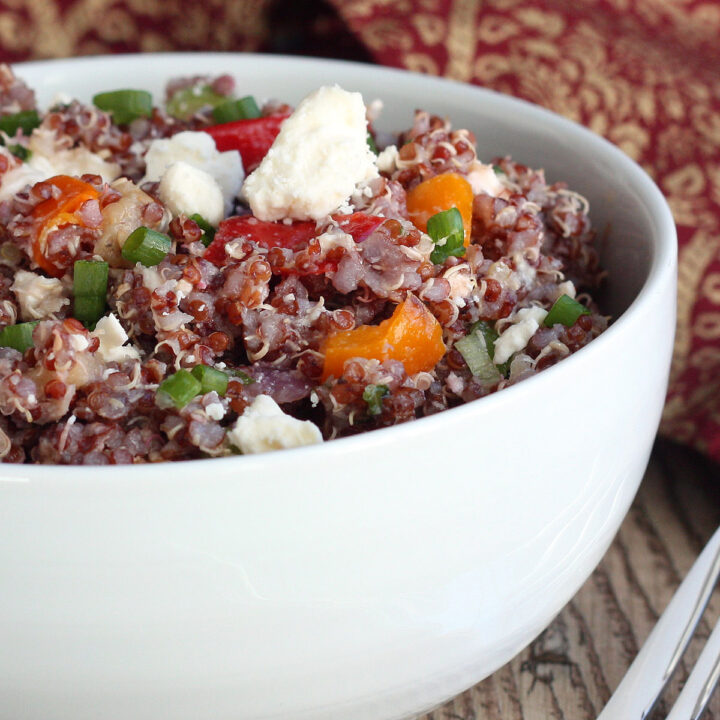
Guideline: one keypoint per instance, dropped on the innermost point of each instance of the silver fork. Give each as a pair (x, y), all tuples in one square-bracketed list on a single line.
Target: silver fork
[(651, 670)]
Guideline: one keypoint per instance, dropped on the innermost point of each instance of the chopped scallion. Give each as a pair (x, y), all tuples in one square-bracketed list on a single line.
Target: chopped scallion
[(491, 335), (446, 230), (20, 151), (146, 246), (373, 395), (371, 143), (125, 105), (565, 311), (88, 309), (243, 377), (90, 278), (498, 170), (188, 101), (25, 120), (244, 109), (206, 227), (181, 388), (210, 379), (474, 350), (18, 336)]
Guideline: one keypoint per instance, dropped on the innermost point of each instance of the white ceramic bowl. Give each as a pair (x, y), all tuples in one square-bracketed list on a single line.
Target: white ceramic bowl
[(372, 577)]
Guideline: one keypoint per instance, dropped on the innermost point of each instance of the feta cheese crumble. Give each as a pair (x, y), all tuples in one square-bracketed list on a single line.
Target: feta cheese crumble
[(112, 337), (39, 297), (317, 160), (525, 322), (264, 427), (484, 179), (188, 189), (197, 149), (386, 160), (215, 411), (152, 279)]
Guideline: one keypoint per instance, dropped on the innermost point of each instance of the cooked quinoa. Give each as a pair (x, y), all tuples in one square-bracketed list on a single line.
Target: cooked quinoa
[(209, 277)]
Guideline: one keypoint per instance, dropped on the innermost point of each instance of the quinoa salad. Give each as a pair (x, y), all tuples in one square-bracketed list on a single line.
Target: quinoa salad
[(206, 273)]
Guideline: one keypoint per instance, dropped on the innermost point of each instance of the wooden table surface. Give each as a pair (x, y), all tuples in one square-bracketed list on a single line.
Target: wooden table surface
[(571, 670)]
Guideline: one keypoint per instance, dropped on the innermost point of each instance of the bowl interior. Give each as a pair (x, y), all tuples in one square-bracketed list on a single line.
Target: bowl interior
[(626, 223)]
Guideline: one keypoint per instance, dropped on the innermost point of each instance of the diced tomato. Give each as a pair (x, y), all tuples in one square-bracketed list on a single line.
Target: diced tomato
[(266, 234), (294, 237), (359, 224), (54, 212), (251, 138)]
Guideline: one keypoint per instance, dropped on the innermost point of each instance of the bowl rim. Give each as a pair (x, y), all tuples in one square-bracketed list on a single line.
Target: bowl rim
[(663, 249)]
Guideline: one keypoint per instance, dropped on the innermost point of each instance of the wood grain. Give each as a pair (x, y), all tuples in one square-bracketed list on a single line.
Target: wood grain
[(570, 671)]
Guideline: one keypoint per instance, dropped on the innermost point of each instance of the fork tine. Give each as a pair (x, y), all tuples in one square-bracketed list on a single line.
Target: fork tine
[(646, 678), (699, 686)]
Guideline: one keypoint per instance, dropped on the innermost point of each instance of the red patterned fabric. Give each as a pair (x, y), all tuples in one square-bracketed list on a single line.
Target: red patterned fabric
[(644, 73)]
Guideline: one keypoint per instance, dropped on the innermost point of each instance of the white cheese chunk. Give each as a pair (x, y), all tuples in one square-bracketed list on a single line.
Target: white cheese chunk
[(335, 239), (152, 279), (316, 161), (79, 342), (524, 270), (483, 179), (196, 149), (386, 160), (514, 338), (112, 337), (565, 288), (188, 189), (264, 427), (215, 411), (39, 297)]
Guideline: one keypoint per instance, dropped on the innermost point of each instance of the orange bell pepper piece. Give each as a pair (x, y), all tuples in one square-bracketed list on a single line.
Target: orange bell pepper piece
[(412, 335), (54, 212), (439, 193)]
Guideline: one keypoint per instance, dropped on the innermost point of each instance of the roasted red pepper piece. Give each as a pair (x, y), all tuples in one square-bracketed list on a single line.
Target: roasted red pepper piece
[(252, 138), (294, 237), (265, 234), (359, 224)]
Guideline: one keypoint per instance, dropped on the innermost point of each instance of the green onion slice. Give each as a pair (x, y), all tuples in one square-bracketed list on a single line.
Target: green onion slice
[(190, 100), (90, 279), (88, 309), (25, 120), (206, 227), (446, 230), (491, 335), (181, 388), (498, 170), (371, 143), (243, 377), (373, 395), (210, 379), (125, 105), (565, 311), (20, 151), (474, 350), (146, 246), (244, 109), (18, 336)]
